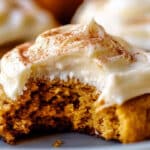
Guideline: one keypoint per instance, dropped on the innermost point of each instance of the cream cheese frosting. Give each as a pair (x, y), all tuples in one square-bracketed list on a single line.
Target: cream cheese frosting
[(22, 19), (129, 19), (85, 52)]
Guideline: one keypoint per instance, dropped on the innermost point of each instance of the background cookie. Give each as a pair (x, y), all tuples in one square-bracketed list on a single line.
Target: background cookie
[(125, 18)]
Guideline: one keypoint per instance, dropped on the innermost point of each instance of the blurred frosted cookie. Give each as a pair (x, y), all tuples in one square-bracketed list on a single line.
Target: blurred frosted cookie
[(22, 20), (125, 18)]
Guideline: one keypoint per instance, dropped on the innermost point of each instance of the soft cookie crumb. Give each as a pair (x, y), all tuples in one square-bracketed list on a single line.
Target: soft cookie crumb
[(57, 143)]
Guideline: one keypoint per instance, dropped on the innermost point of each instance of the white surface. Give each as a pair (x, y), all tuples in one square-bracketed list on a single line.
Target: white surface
[(73, 141)]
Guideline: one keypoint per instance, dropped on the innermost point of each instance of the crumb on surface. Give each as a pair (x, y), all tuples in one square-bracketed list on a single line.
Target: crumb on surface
[(57, 143)]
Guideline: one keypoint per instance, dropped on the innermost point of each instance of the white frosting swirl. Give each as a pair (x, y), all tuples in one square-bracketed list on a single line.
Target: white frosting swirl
[(22, 19), (129, 19), (119, 71)]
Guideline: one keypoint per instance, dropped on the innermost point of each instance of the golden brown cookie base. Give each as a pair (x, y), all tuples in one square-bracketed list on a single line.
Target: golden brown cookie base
[(127, 123), (70, 106)]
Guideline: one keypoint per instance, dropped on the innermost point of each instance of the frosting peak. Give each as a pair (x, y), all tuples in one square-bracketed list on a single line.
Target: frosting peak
[(129, 19)]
